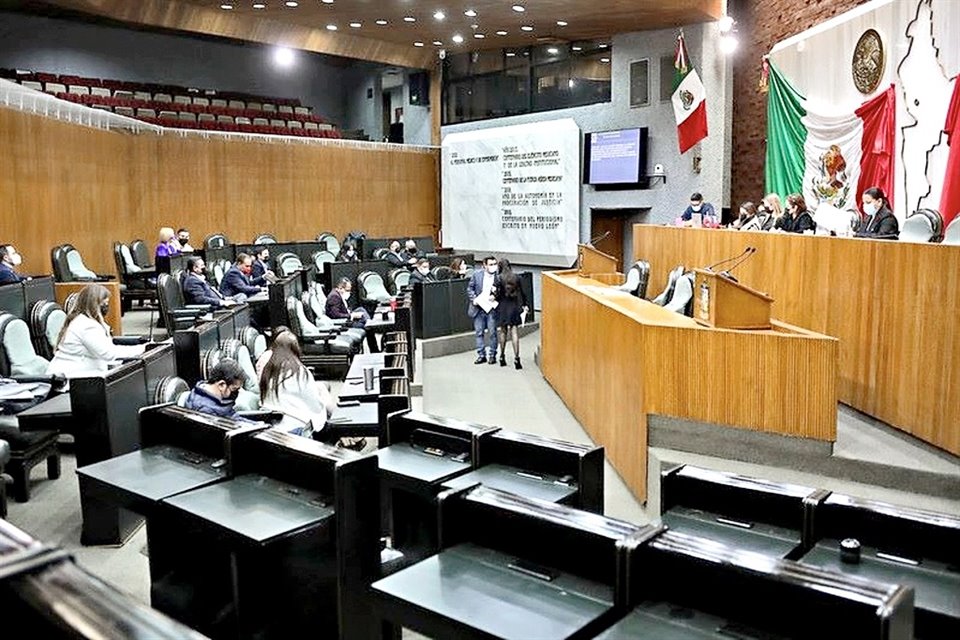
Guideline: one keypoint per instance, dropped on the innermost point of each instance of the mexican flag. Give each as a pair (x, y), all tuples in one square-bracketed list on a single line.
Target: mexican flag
[(689, 107), (829, 157)]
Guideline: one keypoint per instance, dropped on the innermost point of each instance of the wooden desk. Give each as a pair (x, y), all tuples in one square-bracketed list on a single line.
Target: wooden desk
[(891, 304), (64, 289), (641, 359)]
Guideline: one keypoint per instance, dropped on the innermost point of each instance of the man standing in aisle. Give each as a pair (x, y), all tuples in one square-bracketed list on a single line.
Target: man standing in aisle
[(483, 309)]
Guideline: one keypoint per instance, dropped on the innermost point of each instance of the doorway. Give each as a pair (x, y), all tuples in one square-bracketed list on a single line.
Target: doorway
[(606, 230)]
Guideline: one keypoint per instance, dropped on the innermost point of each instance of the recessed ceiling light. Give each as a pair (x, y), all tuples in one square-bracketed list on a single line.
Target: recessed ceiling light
[(511, 54), (470, 13), (327, 1), (562, 23), (418, 44), (553, 51), (519, 8), (356, 25), (259, 5), (526, 27), (226, 7), (439, 15), (457, 38), (381, 22), (291, 3), (576, 47), (331, 27), (438, 43), (474, 26), (501, 33), (479, 36), (409, 19), (604, 60), (603, 45)]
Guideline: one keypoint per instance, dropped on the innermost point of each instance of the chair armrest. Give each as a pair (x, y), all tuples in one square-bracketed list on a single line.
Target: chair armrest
[(129, 340)]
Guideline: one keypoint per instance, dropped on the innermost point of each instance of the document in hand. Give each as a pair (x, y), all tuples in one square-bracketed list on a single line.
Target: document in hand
[(487, 303)]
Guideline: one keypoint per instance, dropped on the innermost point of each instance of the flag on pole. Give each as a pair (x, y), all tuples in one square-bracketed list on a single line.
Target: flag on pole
[(689, 106)]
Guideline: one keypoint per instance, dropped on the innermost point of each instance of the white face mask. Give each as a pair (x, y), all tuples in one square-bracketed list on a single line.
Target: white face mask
[(696, 207), (16, 259), (869, 208), (346, 295), (492, 269), (425, 270), (350, 253)]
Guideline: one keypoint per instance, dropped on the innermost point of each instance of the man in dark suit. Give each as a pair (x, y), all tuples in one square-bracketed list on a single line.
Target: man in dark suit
[(422, 272), (481, 291), (9, 261), (261, 274), (237, 278), (396, 258), (337, 308), (196, 289), (410, 252)]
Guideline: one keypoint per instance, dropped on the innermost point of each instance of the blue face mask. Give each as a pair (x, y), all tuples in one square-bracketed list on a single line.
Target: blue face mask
[(869, 208)]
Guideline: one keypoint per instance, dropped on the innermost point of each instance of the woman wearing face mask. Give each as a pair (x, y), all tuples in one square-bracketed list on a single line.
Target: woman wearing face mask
[(770, 211), (880, 223), (348, 253), (459, 268), (422, 272), (748, 220), (84, 346), (796, 219)]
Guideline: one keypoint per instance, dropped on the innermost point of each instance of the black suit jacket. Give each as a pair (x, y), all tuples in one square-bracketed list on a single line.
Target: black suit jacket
[(336, 307), (196, 290), (416, 277), (882, 225), (258, 276)]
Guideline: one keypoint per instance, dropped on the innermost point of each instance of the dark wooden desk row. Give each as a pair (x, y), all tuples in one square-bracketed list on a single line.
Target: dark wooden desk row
[(18, 298), (894, 545)]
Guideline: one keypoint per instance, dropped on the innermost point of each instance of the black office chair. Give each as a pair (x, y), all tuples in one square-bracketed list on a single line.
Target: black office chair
[(288, 263), (215, 241), (265, 238), (637, 278), (46, 322), (317, 341), (136, 283), (321, 258), (141, 255), (255, 341), (174, 311), (381, 253), (667, 293), (330, 242), (68, 266), (442, 273), (170, 389), (397, 279), (372, 288), (235, 350)]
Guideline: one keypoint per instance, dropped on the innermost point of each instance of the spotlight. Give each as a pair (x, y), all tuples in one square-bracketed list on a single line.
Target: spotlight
[(519, 8), (457, 38), (331, 27), (728, 44), (526, 27), (283, 57), (439, 15), (470, 13), (725, 24)]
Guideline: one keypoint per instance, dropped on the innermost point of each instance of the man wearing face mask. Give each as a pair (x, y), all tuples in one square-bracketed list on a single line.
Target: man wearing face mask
[(482, 291), (9, 261), (338, 308), (183, 237), (697, 205), (217, 395), (422, 272), (410, 253), (236, 280), (261, 274), (196, 289), (394, 258)]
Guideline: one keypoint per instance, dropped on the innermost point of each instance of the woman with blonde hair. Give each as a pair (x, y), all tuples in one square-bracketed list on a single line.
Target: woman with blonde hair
[(84, 346), (771, 210), (168, 245)]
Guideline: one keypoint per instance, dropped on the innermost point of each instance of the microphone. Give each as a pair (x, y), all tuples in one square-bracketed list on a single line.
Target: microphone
[(599, 238), (745, 252), (726, 273)]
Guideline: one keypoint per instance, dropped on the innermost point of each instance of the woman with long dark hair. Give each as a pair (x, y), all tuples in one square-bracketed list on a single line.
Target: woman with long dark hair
[(287, 386), (879, 223), (512, 305), (84, 346)]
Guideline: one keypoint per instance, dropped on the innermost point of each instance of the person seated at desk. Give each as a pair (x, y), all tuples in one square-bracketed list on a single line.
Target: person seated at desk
[(9, 261), (236, 281), (459, 267), (770, 210), (748, 219), (880, 222), (338, 309), (183, 238), (261, 274), (410, 252), (196, 289), (422, 272), (796, 218), (168, 245), (698, 207), (217, 395), (288, 387), (84, 346), (395, 258), (348, 253)]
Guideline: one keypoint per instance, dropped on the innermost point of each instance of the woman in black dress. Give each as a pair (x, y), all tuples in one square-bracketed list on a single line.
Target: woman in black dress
[(512, 304)]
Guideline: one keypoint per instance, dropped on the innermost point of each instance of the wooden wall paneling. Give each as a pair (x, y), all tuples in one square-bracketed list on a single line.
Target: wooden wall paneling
[(891, 304)]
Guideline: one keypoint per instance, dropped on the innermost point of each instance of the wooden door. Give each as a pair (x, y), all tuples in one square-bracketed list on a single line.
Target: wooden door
[(612, 226)]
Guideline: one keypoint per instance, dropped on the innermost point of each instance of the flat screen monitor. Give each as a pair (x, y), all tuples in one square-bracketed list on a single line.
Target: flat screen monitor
[(615, 157)]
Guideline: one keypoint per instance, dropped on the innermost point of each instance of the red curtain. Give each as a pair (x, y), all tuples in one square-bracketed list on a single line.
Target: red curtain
[(879, 130), (950, 197)]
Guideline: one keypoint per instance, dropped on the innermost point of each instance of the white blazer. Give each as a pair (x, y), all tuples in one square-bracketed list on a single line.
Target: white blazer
[(298, 399), (87, 350)]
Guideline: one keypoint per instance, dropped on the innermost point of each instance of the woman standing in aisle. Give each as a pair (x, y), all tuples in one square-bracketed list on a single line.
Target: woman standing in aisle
[(510, 310)]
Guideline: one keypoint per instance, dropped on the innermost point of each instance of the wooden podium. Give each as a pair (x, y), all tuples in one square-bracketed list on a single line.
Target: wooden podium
[(721, 303), (590, 260)]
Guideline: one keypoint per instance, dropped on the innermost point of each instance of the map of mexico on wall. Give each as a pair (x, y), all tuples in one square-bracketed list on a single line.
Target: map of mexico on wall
[(513, 192)]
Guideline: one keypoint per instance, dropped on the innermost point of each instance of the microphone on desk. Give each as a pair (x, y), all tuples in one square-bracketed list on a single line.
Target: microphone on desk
[(600, 237), (726, 272), (743, 254)]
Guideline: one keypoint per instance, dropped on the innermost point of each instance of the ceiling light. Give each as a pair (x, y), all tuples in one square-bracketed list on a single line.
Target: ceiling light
[(418, 44), (474, 26), (526, 27), (603, 45), (438, 43), (327, 1), (457, 38), (331, 27), (553, 51), (356, 25), (576, 47), (470, 13), (226, 7), (479, 36), (259, 5), (725, 23), (409, 19), (518, 8), (439, 15), (283, 57), (291, 3), (571, 83), (381, 22), (562, 23), (728, 43), (604, 60), (511, 54), (501, 33)]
